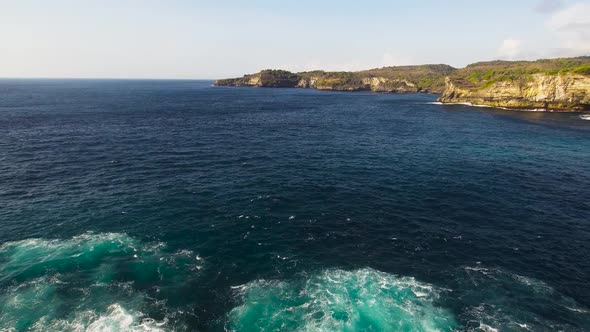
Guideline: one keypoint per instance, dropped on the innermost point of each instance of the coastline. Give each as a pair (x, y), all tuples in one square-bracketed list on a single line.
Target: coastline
[(545, 85), (509, 108), (512, 109)]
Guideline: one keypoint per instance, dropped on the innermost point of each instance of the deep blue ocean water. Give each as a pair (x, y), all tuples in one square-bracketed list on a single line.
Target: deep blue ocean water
[(175, 205)]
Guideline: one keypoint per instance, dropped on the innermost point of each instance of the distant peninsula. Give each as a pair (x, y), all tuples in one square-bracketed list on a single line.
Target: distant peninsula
[(561, 84)]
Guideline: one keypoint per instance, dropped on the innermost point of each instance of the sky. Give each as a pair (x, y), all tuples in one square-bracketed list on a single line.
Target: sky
[(227, 38)]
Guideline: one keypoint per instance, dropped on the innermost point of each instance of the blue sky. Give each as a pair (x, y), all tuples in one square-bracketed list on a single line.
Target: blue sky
[(214, 39)]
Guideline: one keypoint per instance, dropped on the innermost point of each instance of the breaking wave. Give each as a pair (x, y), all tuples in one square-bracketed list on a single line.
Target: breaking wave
[(114, 282), (480, 299), (91, 282), (338, 300)]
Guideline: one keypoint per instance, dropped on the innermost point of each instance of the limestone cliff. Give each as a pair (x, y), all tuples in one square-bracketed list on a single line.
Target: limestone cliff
[(548, 84), (265, 78), (400, 79), (559, 92)]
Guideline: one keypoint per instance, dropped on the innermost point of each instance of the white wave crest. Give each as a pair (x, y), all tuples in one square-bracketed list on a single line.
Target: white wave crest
[(339, 300)]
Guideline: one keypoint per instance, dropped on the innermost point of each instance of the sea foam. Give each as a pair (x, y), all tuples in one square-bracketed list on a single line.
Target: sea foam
[(497, 107), (91, 282), (339, 300)]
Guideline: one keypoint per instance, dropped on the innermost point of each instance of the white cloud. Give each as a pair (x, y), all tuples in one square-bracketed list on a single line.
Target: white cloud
[(567, 29), (571, 26), (510, 49), (548, 6)]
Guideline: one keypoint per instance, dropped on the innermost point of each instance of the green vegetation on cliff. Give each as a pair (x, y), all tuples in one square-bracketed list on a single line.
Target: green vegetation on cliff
[(275, 78), (278, 78), (427, 78), (341, 81), (482, 75)]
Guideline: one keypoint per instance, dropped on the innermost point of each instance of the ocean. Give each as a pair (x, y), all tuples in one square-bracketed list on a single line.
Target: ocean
[(173, 205)]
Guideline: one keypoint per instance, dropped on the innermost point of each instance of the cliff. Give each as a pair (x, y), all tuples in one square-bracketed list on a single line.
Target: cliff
[(550, 84), (401, 79), (267, 78), (553, 85)]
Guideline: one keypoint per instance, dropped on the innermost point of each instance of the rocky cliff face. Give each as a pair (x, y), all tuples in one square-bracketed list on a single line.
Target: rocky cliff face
[(558, 92), (383, 84), (401, 79), (265, 78), (375, 84)]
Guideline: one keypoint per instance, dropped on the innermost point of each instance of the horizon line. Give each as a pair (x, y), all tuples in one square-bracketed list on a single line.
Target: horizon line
[(267, 68), (108, 78)]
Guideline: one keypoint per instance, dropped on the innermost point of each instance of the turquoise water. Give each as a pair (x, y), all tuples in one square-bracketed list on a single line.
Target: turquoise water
[(175, 205), (337, 300), (94, 281)]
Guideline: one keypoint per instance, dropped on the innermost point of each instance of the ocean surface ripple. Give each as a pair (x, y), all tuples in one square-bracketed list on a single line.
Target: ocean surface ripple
[(177, 206)]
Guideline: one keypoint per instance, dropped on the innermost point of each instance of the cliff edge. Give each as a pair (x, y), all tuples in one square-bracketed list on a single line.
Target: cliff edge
[(551, 85)]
